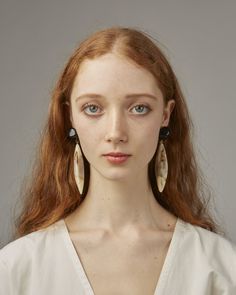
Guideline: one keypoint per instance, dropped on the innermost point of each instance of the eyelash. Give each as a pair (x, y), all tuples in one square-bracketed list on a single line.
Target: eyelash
[(142, 105)]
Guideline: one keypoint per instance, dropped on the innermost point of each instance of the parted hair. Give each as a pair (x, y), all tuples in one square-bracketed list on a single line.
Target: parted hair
[(50, 193)]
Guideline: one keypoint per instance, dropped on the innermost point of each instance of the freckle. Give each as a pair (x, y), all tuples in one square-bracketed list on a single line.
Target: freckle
[(168, 224)]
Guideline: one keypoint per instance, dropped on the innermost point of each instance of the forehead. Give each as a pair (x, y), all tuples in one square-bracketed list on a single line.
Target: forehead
[(111, 72)]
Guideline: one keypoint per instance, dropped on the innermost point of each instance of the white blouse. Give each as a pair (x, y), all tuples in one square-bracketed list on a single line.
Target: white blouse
[(198, 262)]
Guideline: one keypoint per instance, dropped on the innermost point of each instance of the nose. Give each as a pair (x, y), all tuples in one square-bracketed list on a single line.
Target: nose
[(116, 127)]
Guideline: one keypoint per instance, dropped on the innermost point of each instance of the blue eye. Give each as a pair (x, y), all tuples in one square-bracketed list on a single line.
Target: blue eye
[(140, 107), (91, 107)]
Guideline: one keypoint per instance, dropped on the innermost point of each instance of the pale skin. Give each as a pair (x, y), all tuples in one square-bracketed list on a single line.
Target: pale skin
[(119, 207)]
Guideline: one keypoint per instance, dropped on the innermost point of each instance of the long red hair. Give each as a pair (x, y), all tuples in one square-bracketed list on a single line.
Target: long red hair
[(51, 192)]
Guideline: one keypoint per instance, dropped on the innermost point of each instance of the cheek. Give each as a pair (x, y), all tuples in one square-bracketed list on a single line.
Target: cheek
[(151, 138), (88, 137), (153, 130)]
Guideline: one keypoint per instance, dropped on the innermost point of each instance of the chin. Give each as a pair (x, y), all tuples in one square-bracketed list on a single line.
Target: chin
[(116, 175)]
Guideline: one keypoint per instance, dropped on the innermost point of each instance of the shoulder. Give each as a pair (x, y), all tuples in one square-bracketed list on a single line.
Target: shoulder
[(38, 263), (21, 259), (25, 248), (209, 242), (210, 250)]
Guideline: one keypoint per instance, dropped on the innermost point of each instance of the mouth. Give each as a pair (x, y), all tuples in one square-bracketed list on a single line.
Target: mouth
[(117, 159), (117, 155)]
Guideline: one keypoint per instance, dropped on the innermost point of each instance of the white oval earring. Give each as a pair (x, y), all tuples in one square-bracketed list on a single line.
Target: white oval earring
[(161, 167), (79, 168)]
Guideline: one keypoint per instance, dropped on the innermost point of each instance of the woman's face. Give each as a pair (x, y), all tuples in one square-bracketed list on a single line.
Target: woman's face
[(117, 106)]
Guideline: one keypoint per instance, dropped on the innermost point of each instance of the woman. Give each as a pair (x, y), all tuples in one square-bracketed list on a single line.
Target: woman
[(115, 204)]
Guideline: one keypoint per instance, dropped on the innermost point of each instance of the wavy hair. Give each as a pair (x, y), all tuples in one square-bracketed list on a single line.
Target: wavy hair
[(51, 192)]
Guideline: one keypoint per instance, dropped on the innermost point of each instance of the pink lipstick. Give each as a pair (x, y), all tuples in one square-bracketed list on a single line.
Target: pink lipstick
[(117, 158)]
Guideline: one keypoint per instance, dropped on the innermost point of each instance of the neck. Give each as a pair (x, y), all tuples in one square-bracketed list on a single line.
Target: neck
[(115, 205)]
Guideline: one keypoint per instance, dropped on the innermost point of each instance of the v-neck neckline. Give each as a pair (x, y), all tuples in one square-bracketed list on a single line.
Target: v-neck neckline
[(168, 262)]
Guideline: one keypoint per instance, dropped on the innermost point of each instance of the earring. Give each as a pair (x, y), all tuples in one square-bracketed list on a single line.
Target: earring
[(161, 160), (78, 162), (79, 168)]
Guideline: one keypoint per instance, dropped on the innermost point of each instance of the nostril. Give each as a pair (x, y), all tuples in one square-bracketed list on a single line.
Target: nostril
[(116, 137)]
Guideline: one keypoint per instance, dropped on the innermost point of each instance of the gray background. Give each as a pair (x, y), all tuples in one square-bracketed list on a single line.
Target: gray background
[(37, 38)]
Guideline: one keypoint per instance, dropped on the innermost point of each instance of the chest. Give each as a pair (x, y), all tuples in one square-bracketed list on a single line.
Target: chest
[(122, 268)]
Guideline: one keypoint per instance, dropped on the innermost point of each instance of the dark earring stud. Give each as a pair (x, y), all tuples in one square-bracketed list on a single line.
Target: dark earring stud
[(164, 132), (72, 133)]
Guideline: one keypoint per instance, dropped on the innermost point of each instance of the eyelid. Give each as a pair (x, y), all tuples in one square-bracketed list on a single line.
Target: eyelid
[(88, 105), (143, 105), (138, 104)]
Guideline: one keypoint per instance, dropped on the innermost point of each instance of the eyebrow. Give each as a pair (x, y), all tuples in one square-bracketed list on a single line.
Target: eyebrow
[(133, 95)]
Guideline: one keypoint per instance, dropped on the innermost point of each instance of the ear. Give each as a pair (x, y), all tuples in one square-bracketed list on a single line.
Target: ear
[(167, 112)]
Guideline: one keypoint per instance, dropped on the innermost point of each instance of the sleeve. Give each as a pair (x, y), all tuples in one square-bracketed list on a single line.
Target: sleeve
[(5, 281)]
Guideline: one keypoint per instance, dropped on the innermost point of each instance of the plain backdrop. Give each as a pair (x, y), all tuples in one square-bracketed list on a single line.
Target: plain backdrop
[(199, 39)]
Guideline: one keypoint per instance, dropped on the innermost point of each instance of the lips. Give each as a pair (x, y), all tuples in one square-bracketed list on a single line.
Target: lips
[(117, 158), (116, 155)]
